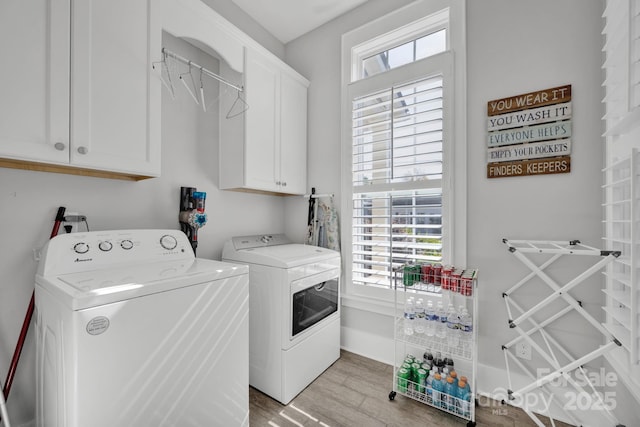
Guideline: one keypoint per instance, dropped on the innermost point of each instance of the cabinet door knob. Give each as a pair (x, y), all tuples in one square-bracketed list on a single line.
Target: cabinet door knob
[(60, 146), (284, 184), (83, 150), (277, 182)]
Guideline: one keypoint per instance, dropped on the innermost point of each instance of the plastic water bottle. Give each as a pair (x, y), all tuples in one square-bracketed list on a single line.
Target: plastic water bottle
[(450, 395), (419, 322), (442, 321), (437, 387), (466, 329), (453, 339), (409, 316), (429, 383), (429, 316), (464, 397)]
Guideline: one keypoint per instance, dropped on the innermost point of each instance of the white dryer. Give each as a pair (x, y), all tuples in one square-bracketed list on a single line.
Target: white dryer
[(133, 330), (294, 311)]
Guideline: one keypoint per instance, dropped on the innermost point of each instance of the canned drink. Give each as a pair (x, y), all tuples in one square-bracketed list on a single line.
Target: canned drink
[(403, 379), (417, 273), (421, 380), (426, 272), (406, 365), (437, 274), (415, 367), (446, 276), (432, 272), (466, 286), (455, 280), (407, 275)]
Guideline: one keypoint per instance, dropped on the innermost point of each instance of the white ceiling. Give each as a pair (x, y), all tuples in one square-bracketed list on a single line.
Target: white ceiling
[(289, 19)]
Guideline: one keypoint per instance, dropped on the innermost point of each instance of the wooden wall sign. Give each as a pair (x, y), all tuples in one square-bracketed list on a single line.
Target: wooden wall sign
[(529, 134)]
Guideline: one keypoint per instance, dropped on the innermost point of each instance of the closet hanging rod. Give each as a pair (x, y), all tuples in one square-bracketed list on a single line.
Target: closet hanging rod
[(204, 70)]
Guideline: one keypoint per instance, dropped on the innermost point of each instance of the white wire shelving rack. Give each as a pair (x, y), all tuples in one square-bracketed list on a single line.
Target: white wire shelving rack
[(558, 361)]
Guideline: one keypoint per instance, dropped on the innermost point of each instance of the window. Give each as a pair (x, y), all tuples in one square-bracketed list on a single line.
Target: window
[(406, 53), (397, 138), (398, 151)]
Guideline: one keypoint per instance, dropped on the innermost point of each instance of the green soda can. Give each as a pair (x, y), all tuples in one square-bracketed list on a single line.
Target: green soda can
[(421, 380), (417, 273), (407, 275), (414, 370), (403, 379)]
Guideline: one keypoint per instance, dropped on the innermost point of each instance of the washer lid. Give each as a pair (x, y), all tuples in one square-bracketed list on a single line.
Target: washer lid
[(281, 256), (98, 287)]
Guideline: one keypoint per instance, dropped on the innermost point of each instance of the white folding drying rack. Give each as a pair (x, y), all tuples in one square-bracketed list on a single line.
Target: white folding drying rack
[(522, 250)]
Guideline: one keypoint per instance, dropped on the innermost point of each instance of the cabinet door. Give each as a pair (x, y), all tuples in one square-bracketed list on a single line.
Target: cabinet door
[(293, 135), (34, 106), (115, 97), (261, 126)]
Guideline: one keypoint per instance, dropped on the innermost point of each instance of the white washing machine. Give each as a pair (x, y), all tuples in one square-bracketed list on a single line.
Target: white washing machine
[(294, 311), (133, 330)]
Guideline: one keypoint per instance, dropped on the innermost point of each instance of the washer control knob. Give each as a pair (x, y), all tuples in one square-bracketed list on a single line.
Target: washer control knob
[(126, 244), (105, 246), (265, 239), (168, 242), (81, 248)]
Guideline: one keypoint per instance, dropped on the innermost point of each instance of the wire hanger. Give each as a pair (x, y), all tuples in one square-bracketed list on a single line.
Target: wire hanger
[(240, 105), (186, 85), (168, 84), (204, 105)]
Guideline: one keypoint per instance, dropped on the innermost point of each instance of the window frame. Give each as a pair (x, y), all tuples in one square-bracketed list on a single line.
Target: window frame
[(357, 45)]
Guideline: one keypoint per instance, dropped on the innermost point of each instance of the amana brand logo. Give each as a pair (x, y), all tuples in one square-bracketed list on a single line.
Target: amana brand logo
[(83, 259)]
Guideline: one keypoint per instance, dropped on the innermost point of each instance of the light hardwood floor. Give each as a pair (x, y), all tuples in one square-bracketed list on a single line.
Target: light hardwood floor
[(354, 391)]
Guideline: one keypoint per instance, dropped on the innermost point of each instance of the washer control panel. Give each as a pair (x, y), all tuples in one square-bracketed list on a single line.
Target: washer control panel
[(259, 241), (74, 252)]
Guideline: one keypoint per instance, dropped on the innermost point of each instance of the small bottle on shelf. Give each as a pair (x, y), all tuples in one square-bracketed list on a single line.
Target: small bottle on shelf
[(437, 387), (466, 329), (441, 324), (453, 338), (409, 316), (419, 321), (430, 319), (464, 397)]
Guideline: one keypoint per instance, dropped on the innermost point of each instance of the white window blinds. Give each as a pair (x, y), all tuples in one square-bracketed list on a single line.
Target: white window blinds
[(397, 134), (397, 146)]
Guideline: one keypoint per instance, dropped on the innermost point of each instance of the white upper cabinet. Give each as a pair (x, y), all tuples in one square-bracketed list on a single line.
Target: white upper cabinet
[(293, 134), (265, 147), (34, 107), (82, 94)]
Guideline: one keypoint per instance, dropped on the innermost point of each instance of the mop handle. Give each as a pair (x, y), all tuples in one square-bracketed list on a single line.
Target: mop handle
[(27, 319)]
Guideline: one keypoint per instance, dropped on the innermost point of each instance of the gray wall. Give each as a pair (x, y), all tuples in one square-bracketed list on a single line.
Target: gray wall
[(514, 47), (29, 201)]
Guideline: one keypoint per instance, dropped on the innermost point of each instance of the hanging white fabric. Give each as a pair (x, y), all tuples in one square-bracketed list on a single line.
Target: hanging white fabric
[(323, 227)]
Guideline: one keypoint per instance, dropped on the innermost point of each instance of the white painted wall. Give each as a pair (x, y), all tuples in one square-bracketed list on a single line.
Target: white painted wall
[(29, 201), (514, 47)]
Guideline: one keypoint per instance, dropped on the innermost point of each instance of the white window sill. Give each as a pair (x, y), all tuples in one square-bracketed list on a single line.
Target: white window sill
[(365, 303)]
